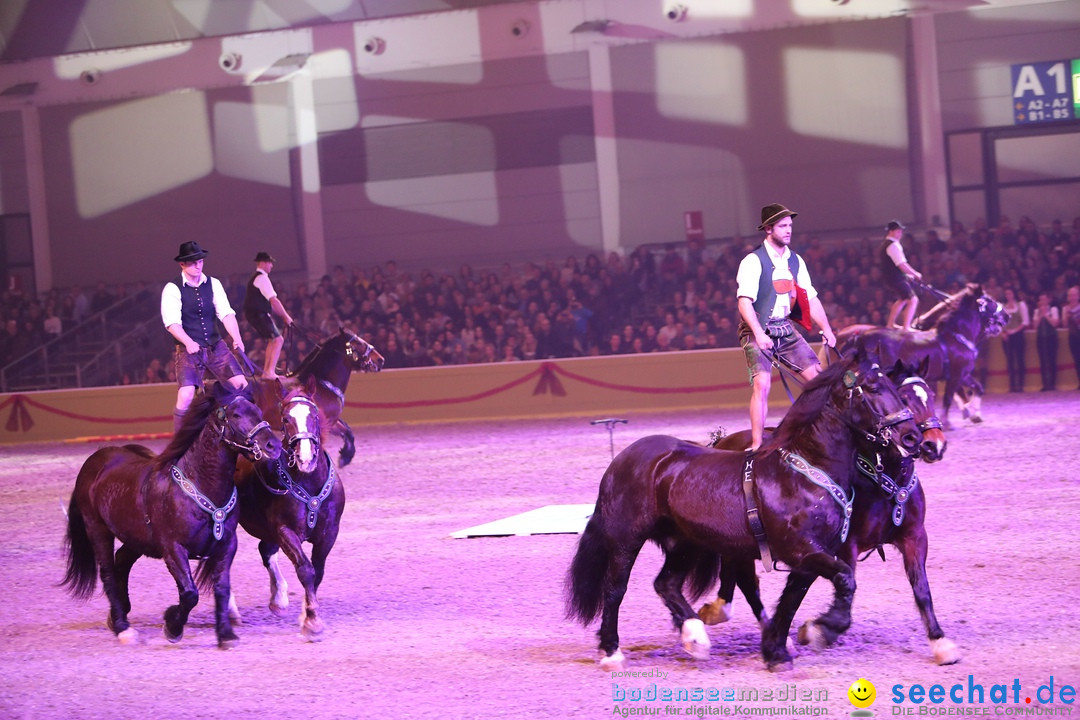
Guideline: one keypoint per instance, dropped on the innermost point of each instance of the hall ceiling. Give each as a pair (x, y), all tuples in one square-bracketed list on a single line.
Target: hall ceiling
[(46, 28)]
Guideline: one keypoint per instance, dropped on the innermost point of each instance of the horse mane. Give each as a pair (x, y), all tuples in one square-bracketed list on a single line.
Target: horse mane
[(193, 422), (309, 364), (943, 310), (809, 405)]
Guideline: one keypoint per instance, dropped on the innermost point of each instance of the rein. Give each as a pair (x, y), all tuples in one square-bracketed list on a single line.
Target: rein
[(217, 514)]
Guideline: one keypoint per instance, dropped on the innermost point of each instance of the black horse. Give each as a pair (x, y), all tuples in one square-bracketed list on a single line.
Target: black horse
[(331, 364), (949, 339), (285, 504), (694, 502), (175, 506), (893, 514)]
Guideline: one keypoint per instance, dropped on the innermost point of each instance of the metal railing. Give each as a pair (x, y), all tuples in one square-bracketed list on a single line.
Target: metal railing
[(73, 358)]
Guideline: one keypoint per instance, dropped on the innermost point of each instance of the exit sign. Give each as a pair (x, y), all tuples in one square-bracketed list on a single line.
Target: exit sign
[(1046, 91)]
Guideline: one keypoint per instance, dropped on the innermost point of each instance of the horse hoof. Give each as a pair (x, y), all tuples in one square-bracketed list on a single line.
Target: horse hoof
[(715, 612), (976, 418), (695, 640), (945, 651), (812, 635), (128, 637), (279, 610), (228, 643), (174, 638), (615, 662), (781, 666), (312, 629)]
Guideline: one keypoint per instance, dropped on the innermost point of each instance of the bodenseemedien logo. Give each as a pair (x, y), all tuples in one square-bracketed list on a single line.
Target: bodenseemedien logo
[(862, 695)]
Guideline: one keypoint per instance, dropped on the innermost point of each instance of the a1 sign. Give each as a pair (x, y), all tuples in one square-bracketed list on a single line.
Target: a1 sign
[(1043, 92)]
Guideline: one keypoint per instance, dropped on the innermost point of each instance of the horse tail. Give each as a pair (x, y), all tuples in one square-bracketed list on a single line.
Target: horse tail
[(81, 576), (204, 575), (587, 575), (705, 567)]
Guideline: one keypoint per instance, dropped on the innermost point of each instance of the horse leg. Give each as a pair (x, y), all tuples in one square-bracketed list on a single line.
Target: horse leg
[(735, 572), (679, 559), (774, 635), (823, 630), (348, 445), (279, 586), (747, 580), (311, 625), (912, 546), (124, 559), (719, 610), (102, 542), (616, 578), (217, 569), (176, 616)]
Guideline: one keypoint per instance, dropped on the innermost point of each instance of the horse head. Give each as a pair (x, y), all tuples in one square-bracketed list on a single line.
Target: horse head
[(361, 354), (301, 427), (241, 425), (875, 409), (992, 315), (919, 397)]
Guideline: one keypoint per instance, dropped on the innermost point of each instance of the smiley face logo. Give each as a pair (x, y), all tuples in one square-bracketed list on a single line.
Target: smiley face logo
[(862, 693)]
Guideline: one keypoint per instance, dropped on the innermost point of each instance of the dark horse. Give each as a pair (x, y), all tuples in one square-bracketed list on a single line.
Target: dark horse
[(893, 514), (285, 504), (175, 506), (331, 364), (694, 502), (949, 340)]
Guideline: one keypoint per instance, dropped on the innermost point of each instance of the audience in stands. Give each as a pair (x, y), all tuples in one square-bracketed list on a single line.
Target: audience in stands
[(666, 299)]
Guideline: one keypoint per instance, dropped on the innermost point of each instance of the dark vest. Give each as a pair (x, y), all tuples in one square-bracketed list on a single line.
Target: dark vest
[(198, 316), (254, 302), (889, 272), (766, 295)]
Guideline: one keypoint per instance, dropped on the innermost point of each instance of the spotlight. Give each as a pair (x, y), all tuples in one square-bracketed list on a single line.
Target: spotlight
[(520, 28), (676, 13), (229, 62), (91, 76), (375, 46)]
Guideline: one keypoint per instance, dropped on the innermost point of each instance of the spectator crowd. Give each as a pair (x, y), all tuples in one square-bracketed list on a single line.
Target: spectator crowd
[(656, 299)]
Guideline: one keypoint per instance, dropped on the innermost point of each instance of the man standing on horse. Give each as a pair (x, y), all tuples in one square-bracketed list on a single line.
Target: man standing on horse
[(261, 303), (898, 275), (190, 305), (774, 286)]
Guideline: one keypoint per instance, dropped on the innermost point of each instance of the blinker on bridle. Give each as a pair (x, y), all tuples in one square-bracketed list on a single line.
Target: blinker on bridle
[(248, 446)]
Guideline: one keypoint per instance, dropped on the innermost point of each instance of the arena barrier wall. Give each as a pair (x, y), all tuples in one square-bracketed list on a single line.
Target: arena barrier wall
[(594, 386)]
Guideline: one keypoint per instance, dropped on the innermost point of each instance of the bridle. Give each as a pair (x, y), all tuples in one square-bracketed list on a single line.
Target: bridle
[(883, 433), (248, 447), (292, 439), (932, 422), (356, 357)]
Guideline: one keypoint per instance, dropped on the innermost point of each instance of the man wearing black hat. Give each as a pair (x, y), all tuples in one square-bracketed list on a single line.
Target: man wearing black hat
[(260, 304), (898, 274), (190, 305), (774, 286)]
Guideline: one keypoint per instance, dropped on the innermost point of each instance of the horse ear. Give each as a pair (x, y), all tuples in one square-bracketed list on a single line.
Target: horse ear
[(924, 367), (310, 385)]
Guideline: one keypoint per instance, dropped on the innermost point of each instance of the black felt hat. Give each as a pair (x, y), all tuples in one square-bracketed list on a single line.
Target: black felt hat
[(190, 252), (263, 256)]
